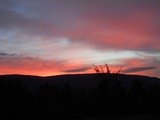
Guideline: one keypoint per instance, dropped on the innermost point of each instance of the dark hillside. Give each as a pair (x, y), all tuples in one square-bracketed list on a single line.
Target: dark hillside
[(78, 81), (79, 96)]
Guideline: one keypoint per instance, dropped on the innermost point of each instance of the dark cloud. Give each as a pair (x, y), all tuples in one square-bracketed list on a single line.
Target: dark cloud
[(77, 70), (3, 54), (138, 69), (8, 56), (7, 3), (11, 20)]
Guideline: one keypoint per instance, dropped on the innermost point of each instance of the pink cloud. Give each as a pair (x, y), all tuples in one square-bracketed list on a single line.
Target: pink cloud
[(135, 30), (141, 66), (33, 66)]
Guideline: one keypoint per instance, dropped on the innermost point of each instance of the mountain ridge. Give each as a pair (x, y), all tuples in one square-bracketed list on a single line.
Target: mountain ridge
[(77, 81)]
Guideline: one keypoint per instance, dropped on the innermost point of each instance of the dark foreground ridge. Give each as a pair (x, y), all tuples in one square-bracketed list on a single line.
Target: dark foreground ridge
[(78, 96), (77, 81)]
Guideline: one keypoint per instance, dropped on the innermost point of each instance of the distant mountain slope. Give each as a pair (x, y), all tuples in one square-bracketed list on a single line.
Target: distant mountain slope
[(79, 81)]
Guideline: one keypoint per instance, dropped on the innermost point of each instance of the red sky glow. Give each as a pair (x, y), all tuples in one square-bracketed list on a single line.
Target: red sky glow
[(52, 37)]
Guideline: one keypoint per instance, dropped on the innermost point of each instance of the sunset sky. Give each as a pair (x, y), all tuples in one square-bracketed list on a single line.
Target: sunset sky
[(52, 37)]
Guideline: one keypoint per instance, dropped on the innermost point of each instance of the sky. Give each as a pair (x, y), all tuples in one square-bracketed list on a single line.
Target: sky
[(52, 37)]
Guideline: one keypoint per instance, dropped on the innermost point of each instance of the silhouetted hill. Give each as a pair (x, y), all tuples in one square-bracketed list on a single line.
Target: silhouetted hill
[(78, 81), (61, 99)]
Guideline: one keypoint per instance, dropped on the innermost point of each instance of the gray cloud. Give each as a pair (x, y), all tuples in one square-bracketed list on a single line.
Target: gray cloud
[(8, 56), (11, 20), (138, 69), (7, 3), (3, 54), (76, 70)]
